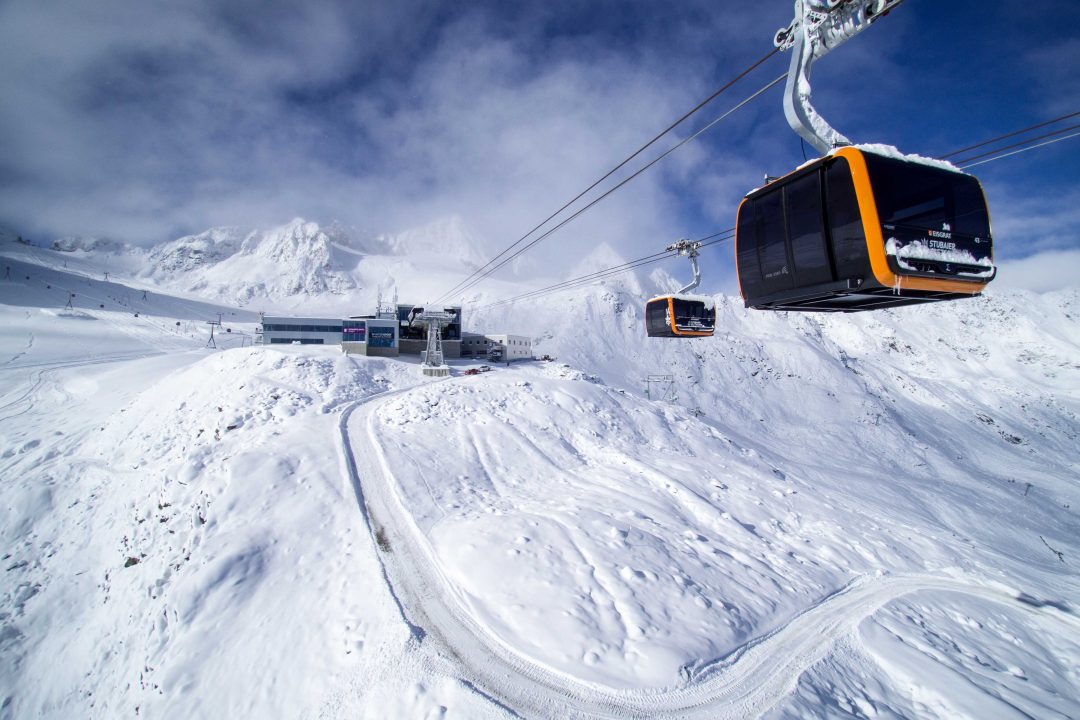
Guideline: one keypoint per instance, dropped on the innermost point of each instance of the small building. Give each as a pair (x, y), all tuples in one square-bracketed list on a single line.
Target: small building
[(514, 347), (279, 330), (475, 346)]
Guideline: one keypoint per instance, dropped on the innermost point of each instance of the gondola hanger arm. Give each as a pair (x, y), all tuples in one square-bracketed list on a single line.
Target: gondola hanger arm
[(819, 27), (689, 248)]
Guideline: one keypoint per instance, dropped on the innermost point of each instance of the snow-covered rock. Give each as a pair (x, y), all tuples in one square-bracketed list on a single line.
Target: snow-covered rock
[(82, 244), (194, 252)]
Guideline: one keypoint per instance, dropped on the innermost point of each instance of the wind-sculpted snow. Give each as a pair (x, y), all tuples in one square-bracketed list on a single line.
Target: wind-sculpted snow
[(672, 544), (663, 549), (158, 551), (947, 654)]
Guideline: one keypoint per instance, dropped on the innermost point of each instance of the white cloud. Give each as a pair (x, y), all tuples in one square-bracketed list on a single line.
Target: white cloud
[(143, 121), (1046, 271), (1024, 224)]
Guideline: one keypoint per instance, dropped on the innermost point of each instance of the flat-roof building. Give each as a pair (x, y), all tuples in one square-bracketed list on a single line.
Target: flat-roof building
[(278, 330), (364, 336), (514, 347), (389, 336), (370, 336)]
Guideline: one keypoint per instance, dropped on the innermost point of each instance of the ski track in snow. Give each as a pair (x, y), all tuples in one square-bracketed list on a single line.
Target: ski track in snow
[(748, 682), (29, 347), (39, 376)]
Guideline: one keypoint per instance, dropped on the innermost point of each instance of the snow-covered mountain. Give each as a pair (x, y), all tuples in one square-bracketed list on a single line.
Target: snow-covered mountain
[(299, 264), (870, 515), (299, 259), (448, 238), (193, 253)]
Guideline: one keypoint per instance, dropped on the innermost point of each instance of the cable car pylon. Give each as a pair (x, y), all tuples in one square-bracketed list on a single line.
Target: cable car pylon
[(682, 315)]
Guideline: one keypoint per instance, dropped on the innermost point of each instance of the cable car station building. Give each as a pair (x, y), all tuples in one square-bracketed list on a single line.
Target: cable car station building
[(363, 336), (413, 331), (396, 330)]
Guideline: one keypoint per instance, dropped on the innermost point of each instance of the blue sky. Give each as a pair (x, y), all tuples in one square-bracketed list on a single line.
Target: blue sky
[(145, 120)]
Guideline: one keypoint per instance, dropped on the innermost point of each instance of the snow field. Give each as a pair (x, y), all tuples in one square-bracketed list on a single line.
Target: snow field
[(667, 558), (838, 516), (582, 550), (946, 655), (192, 551)]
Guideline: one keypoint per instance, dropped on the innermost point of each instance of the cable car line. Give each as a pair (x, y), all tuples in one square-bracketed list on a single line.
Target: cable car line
[(677, 314), (966, 161), (615, 270), (467, 282), (859, 228), (656, 257), (585, 279), (1008, 135), (1022, 150), (811, 35), (729, 232), (477, 278), (581, 281)]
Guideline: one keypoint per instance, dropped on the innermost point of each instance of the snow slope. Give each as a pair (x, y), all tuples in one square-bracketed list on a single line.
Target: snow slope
[(673, 558), (848, 516)]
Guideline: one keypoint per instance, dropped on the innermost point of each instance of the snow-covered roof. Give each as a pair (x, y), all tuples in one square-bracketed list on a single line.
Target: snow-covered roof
[(709, 300)]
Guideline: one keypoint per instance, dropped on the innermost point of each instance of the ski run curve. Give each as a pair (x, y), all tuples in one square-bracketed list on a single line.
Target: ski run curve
[(747, 682)]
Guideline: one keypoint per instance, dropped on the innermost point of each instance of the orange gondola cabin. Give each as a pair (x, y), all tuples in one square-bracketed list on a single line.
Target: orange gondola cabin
[(863, 230)]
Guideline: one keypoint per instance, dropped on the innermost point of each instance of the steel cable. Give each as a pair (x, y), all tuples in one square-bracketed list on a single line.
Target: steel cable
[(480, 272), (578, 213)]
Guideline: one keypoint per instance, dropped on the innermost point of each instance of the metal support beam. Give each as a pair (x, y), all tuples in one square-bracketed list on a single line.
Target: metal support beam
[(819, 27), (689, 249)]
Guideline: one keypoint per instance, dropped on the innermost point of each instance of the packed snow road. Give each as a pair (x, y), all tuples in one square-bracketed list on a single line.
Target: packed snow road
[(455, 625)]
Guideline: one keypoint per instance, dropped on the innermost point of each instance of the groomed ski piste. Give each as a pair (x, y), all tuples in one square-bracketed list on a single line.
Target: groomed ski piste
[(841, 516)]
